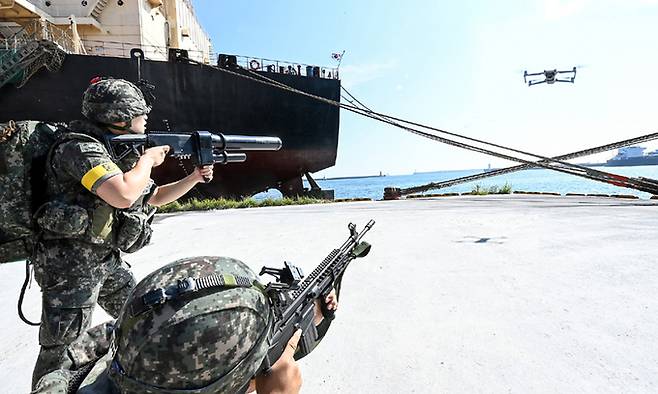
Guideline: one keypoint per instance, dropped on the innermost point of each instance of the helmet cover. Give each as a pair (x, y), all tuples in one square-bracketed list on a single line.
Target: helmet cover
[(113, 100), (209, 340)]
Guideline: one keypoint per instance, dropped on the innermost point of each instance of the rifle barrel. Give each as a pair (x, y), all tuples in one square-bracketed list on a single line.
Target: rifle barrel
[(224, 158), (246, 142)]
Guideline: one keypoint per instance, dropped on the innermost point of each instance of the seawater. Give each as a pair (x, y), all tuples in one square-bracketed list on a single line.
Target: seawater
[(536, 180)]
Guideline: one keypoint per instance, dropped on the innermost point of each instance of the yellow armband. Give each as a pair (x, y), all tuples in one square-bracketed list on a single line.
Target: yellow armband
[(97, 175)]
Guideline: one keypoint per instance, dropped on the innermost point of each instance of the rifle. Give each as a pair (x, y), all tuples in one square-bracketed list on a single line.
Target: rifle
[(202, 147), (293, 300)]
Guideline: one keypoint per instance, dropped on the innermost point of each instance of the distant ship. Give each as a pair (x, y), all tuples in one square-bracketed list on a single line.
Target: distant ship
[(633, 156), (49, 51)]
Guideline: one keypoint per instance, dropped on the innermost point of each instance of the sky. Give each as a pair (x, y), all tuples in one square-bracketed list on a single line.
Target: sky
[(459, 66)]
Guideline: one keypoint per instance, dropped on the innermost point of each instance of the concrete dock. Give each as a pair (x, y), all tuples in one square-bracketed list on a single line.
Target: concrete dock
[(477, 294)]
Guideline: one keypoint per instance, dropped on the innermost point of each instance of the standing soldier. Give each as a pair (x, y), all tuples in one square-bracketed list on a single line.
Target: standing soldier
[(97, 207)]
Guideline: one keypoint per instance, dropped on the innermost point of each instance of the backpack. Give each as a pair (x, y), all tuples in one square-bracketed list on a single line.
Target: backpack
[(25, 152), (24, 148)]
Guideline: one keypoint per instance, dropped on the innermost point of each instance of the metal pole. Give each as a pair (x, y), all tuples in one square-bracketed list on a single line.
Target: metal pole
[(341, 58)]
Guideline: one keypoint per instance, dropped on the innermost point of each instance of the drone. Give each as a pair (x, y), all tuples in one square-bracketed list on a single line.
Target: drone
[(550, 76)]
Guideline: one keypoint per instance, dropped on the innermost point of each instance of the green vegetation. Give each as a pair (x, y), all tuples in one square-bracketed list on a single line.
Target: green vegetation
[(481, 190), (221, 203)]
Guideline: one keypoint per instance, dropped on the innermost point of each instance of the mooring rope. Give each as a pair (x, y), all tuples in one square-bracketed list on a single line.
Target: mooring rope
[(643, 184)]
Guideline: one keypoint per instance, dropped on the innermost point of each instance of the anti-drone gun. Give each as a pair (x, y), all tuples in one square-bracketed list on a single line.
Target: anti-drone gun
[(201, 147), (293, 299)]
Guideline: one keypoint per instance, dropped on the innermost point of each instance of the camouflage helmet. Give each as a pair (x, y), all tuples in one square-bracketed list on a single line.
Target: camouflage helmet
[(197, 325), (113, 100)]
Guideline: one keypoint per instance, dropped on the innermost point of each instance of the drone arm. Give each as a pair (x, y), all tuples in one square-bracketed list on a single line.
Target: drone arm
[(526, 75), (572, 71), (536, 82)]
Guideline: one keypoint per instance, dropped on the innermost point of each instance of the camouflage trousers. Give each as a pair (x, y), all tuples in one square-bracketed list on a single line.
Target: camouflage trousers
[(74, 276)]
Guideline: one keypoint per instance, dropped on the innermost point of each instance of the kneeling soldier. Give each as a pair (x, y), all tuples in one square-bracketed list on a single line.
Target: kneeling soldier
[(173, 338)]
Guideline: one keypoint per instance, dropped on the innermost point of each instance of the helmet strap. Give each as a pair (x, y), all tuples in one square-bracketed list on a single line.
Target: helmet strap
[(183, 286)]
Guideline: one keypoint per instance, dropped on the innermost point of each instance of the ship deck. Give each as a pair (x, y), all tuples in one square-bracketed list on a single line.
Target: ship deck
[(459, 294)]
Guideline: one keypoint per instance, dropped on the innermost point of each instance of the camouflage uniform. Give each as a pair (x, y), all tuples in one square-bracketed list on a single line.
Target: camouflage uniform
[(77, 258), (209, 340), (91, 350)]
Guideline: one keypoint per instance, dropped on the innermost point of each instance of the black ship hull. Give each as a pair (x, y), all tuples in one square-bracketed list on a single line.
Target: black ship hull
[(194, 97)]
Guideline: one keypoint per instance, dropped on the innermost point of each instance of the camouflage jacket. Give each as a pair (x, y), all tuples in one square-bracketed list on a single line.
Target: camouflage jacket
[(76, 168)]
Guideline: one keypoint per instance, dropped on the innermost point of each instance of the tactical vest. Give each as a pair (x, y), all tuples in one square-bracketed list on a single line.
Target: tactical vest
[(73, 212)]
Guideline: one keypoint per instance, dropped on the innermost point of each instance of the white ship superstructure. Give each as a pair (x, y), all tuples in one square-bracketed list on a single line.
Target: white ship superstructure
[(51, 49), (629, 152), (109, 27), (633, 156)]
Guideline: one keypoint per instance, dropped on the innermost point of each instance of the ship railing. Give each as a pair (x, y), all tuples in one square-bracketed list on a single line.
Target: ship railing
[(156, 52), (37, 44), (41, 30), (44, 30), (151, 52), (122, 49), (14, 40), (284, 67), (8, 31)]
